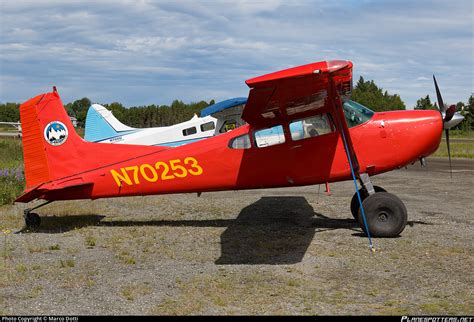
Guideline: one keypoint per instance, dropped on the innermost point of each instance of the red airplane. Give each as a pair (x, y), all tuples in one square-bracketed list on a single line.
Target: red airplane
[(301, 130)]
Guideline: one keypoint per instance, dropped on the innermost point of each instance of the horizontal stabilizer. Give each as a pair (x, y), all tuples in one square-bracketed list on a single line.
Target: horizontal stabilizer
[(41, 191)]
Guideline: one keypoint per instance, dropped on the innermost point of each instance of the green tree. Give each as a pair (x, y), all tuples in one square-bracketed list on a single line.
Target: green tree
[(79, 109), (9, 112), (369, 94), (424, 103), (468, 113)]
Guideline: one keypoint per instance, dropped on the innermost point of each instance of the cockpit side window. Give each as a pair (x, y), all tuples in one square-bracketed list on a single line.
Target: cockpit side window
[(240, 142), (228, 125), (356, 113), (311, 127)]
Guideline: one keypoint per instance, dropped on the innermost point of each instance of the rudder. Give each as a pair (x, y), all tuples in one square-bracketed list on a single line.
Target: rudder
[(101, 124), (49, 139)]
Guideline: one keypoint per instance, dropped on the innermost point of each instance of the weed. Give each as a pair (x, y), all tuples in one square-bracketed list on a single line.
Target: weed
[(32, 293), (67, 263), (125, 257), (21, 268), (90, 242), (7, 249), (131, 292), (54, 247), (293, 283)]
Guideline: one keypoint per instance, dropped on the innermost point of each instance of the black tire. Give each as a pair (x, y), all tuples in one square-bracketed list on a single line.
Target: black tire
[(32, 220), (363, 194), (385, 213)]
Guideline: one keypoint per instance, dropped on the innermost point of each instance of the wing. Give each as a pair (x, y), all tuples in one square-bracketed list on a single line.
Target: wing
[(296, 93), (301, 92)]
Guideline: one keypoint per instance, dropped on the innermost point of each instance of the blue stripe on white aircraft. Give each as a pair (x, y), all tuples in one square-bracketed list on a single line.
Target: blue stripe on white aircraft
[(103, 127)]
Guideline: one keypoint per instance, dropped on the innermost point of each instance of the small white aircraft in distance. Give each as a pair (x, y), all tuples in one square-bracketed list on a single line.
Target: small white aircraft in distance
[(103, 127), (16, 125)]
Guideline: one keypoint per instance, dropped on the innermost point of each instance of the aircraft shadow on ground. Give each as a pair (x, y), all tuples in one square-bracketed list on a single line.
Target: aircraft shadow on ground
[(273, 230)]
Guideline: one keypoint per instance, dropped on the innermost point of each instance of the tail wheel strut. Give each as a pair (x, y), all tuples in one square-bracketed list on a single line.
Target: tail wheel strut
[(32, 219)]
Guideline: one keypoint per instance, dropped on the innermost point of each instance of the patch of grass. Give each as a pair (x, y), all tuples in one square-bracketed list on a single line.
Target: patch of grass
[(54, 247), (90, 241), (67, 263), (458, 150), (10, 187), (227, 293), (78, 280), (131, 292), (34, 246), (442, 308), (293, 283), (125, 257), (7, 249), (35, 292), (461, 134), (21, 268), (11, 155), (11, 162)]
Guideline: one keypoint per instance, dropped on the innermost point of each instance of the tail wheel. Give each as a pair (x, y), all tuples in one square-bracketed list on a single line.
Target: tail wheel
[(385, 213), (363, 194), (32, 220)]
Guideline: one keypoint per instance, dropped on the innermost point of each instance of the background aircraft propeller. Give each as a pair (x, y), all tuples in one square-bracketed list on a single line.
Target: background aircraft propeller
[(450, 119)]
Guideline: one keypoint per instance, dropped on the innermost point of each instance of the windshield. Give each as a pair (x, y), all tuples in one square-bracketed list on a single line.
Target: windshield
[(356, 113)]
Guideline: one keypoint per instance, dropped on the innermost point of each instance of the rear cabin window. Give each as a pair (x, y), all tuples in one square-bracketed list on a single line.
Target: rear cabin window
[(240, 142), (207, 126), (311, 127), (268, 137), (189, 131)]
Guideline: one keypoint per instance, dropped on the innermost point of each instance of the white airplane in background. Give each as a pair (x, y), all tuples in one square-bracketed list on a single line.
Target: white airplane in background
[(103, 127), (16, 125)]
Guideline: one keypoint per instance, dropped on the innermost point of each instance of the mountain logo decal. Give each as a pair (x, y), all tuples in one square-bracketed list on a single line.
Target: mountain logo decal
[(55, 133)]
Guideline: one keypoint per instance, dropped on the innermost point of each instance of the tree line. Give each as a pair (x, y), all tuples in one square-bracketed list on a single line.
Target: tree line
[(364, 92), (142, 116)]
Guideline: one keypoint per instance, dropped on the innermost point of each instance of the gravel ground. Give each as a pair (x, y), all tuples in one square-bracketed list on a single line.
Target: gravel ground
[(275, 251)]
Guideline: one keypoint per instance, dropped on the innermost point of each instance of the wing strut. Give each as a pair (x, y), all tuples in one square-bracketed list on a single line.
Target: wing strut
[(350, 152)]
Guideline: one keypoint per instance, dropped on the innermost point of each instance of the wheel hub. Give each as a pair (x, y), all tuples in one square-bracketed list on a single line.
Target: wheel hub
[(383, 216)]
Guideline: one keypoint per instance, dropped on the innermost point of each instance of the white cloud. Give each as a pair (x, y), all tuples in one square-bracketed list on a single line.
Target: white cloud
[(181, 49)]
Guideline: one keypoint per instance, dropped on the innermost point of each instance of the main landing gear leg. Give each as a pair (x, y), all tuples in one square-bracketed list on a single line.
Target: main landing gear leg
[(32, 219), (385, 213)]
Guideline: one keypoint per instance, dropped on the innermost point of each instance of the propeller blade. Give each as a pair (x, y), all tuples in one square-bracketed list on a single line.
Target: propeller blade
[(438, 95), (450, 113), (449, 152)]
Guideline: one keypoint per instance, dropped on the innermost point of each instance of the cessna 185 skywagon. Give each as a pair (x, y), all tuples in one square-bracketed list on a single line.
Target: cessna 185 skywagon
[(296, 134)]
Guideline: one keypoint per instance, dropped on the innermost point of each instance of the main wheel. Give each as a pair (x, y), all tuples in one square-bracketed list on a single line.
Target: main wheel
[(32, 220), (363, 194), (385, 213)]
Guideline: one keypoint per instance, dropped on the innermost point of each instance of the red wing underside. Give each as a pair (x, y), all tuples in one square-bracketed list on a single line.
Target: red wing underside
[(296, 93)]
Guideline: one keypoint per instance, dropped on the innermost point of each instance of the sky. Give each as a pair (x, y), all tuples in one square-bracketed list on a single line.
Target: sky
[(140, 52)]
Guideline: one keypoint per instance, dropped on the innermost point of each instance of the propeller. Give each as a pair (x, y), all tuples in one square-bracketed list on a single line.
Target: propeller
[(450, 119)]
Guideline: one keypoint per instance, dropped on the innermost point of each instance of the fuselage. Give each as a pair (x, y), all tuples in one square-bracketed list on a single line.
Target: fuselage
[(388, 140)]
